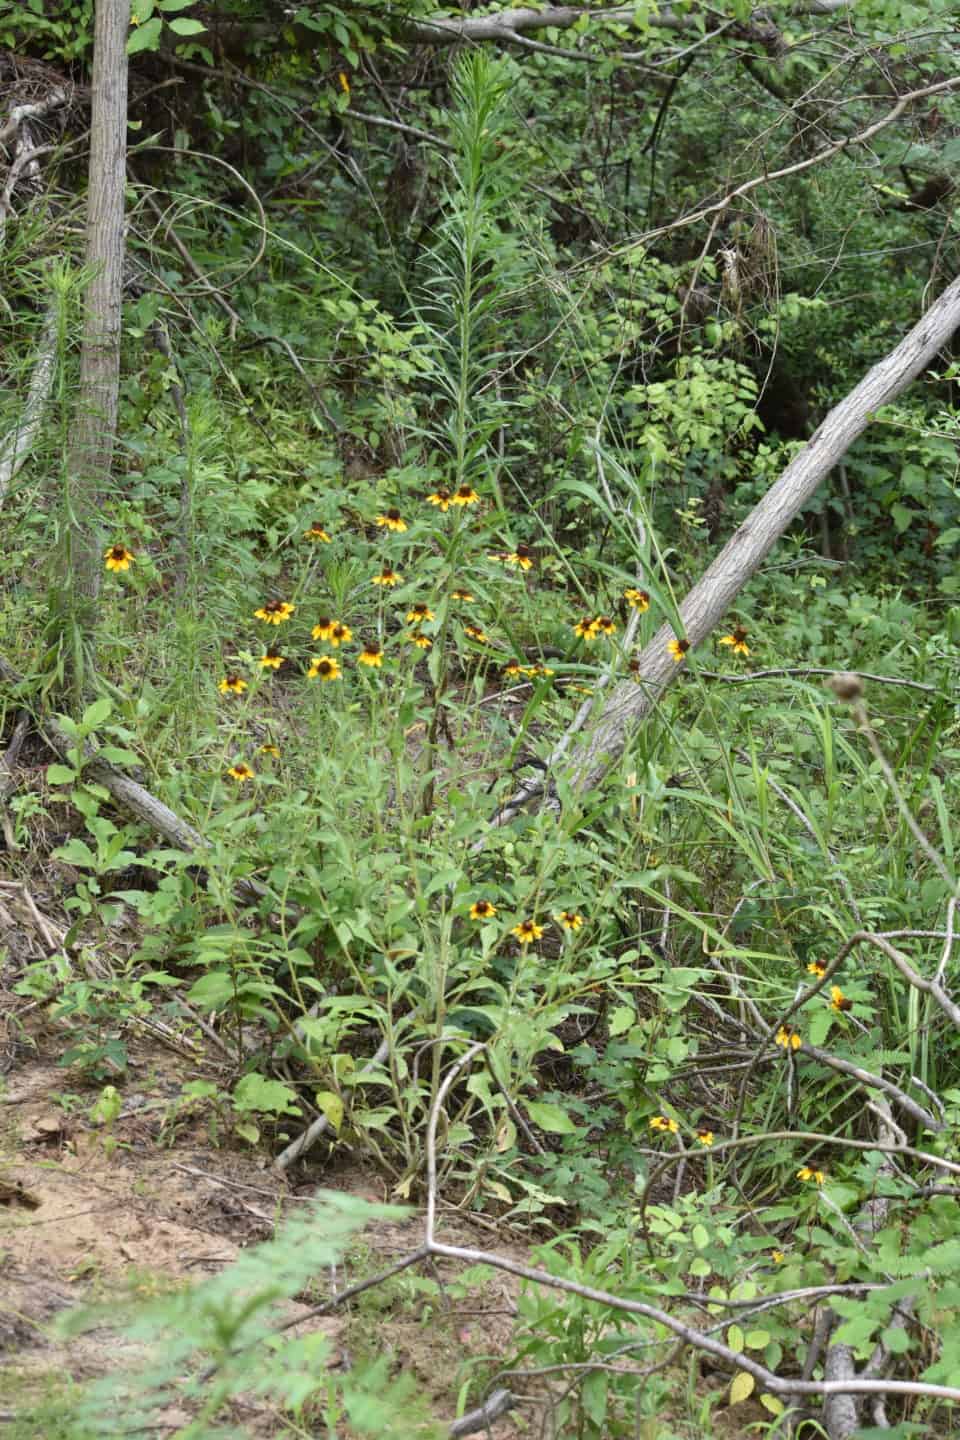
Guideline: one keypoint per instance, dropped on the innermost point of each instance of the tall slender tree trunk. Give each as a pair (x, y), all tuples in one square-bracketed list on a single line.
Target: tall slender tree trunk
[(91, 450)]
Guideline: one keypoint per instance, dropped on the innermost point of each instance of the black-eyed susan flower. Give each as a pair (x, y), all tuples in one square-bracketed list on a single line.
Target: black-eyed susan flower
[(777, 1256), (482, 910), (371, 655), (340, 634), (323, 667), (271, 659), (118, 557), (241, 772), (817, 967), (586, 628), (604, 625), (637, 599), (737, 640), (513, 668), (466, 495), (806, 1173), (542, 672), (392, 520), (344, 82), (527, 931), (705, 1136), (581, 689), (678, 649), (442, 499), (315, 531), (633, 665), (388, 577), (273, 750), (664, 1122), (464, 596), (232, 685), (520, 559), (274, 612), (789, 1039), (473, 632), (419, 613), (839, 1001), (322, 629), (570, 919), (422, 642)]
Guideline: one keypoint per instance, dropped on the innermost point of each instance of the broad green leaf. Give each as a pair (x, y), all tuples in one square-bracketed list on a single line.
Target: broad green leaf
[(550, 1118), (735, 1339), (255, 1092), (741, 1387), (96, 713), (330, 1105), (757, 1339), (621, 1020), (60, 775), (145, 37), (186, 26)]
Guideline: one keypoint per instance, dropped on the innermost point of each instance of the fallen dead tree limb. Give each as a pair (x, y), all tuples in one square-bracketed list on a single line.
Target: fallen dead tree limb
[(598, 748), (129, 795)]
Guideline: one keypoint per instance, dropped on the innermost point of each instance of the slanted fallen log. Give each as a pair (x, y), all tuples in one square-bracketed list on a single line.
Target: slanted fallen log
[(597, 746)]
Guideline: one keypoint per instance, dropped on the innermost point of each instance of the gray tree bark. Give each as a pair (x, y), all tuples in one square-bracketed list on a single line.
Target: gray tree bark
[(91, 454), (599, 746)]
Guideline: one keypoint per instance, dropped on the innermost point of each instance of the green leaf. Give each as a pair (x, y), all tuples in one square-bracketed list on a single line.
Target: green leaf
[(757, 1339), (330, 1105), (772, 1404), (185, 26), (60, 775), (76, 852), (741, 1387), (212, 991), (700, 1237), (145, 37), (550, 1118), (256, 1093), (621, 1020), (96, 713), (735, 1340), (902, 517), (169, 6)]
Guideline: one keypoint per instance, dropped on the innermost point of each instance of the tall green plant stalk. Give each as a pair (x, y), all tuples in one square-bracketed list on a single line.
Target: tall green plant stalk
[(471, 268)]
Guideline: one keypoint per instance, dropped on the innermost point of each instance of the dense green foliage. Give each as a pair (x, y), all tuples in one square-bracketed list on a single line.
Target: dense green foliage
[(367, 369)]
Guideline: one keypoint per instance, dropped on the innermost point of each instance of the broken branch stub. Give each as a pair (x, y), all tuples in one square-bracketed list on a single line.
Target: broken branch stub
[(599, 747)]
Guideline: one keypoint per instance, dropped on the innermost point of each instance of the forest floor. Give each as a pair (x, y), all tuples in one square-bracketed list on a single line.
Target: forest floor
[(84, 1223)]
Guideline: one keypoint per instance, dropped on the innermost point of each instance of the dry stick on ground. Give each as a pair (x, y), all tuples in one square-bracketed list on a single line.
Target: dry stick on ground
[(129, 795), (708, 601)]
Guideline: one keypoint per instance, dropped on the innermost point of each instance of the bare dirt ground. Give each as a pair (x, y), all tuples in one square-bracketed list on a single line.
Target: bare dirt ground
[(81, 1221)]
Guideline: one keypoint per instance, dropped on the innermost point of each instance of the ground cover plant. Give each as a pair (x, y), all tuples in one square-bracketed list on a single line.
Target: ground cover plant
[(389, 733)]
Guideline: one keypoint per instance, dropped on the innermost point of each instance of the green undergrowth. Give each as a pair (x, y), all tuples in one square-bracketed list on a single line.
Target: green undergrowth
[(336, 648)]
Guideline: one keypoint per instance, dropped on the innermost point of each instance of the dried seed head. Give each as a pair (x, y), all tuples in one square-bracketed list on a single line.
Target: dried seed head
[(846, 686)]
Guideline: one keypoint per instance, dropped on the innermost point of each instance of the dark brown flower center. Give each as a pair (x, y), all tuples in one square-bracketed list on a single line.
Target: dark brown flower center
[(393, 514), (118, 552)]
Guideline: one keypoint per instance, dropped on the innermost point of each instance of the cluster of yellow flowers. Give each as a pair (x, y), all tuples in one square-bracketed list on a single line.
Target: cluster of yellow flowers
[(526, 931), (668, 1125)]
